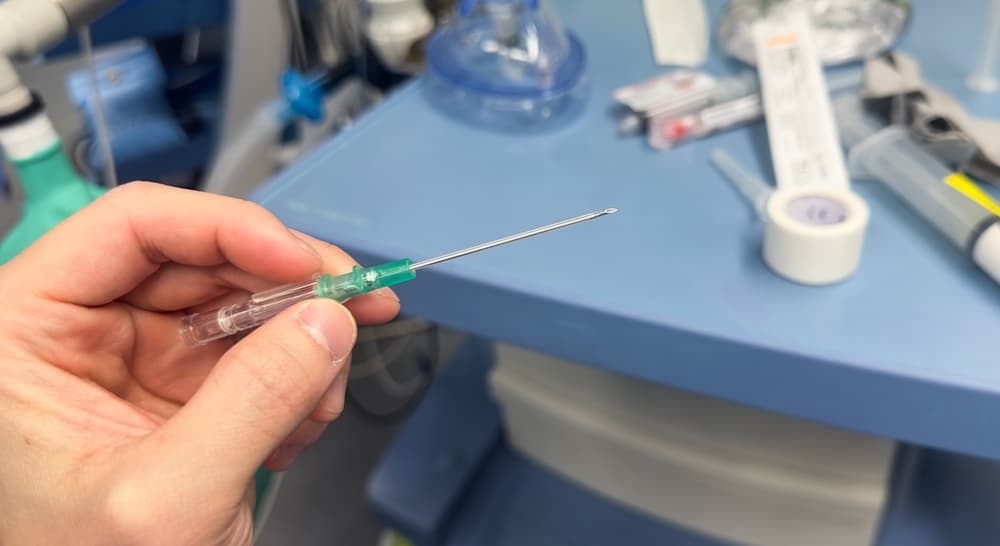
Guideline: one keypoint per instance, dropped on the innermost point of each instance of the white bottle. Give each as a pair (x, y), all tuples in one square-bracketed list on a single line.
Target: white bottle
[(393, 27)]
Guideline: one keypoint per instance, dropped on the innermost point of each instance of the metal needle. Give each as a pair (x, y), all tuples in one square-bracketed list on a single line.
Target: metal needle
[(511, 238)]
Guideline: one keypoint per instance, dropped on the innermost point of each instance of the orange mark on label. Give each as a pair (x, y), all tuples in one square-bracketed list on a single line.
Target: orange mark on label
[(782, 39)]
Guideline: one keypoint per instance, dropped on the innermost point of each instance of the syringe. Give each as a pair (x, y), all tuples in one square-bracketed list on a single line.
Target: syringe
[(928, 186), (201, 328)]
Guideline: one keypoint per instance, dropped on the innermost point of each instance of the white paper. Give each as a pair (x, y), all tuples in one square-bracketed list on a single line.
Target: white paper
[(678, 30), (801, 130)]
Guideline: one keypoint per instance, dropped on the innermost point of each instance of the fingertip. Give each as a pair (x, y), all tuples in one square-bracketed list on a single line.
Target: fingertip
[(281, 256), (331, 325), (275, 467), (263, 245), (282, 458), (306, 435), (375, 308), (331, 406)]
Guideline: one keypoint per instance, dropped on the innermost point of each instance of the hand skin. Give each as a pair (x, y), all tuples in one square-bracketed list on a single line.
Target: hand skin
[(114, 432)]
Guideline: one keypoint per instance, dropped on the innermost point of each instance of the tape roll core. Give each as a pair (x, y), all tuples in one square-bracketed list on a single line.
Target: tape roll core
[(814, 235)]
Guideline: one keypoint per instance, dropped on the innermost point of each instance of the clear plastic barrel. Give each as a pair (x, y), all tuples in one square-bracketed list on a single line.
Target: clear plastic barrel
[(891, 156), (201, 328)]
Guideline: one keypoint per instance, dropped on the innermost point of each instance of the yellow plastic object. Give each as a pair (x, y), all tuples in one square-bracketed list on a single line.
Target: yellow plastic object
[(964, 185)]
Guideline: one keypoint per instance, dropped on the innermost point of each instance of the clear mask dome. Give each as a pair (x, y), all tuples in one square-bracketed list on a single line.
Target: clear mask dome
[(506, 63)]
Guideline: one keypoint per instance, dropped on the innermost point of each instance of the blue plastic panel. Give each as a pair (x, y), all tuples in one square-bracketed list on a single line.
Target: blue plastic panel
[(142, 128), (672, 289), (418, 484), (150, 19)]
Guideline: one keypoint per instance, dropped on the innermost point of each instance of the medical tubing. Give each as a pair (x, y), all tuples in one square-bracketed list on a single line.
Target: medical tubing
[(258, 137), (754, 189)]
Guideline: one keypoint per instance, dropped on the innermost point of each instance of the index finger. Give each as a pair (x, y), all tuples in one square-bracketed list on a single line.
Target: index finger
[(108, 248)]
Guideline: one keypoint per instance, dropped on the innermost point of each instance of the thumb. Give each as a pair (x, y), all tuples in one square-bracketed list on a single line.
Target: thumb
[(259, 392)]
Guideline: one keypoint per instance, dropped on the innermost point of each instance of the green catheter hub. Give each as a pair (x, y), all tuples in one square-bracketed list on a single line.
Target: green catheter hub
[(201, 328)]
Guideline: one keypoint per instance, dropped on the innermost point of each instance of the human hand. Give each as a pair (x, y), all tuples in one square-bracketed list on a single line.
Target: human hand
[(114, 432)]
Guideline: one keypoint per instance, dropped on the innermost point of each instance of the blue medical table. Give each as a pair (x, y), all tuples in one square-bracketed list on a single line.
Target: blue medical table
[(672, 289)]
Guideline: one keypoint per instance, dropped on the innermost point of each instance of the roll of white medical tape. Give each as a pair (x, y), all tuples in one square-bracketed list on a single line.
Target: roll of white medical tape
[(814, 234)]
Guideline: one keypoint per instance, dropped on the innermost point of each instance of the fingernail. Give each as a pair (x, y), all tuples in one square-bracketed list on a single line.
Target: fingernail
[(303, 244), (331, 326), (331, 406), (339, 387)]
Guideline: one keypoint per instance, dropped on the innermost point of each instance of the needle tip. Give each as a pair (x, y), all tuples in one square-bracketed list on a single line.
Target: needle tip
[(610, 211)]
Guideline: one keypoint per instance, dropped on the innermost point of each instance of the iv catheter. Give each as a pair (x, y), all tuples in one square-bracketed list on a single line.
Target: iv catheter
[(201, 328)]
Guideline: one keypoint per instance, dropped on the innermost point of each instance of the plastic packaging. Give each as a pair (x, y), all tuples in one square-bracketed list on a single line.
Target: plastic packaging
[(506, 64), (678, 94), (667, 131), (677, 87), (845, 30)]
